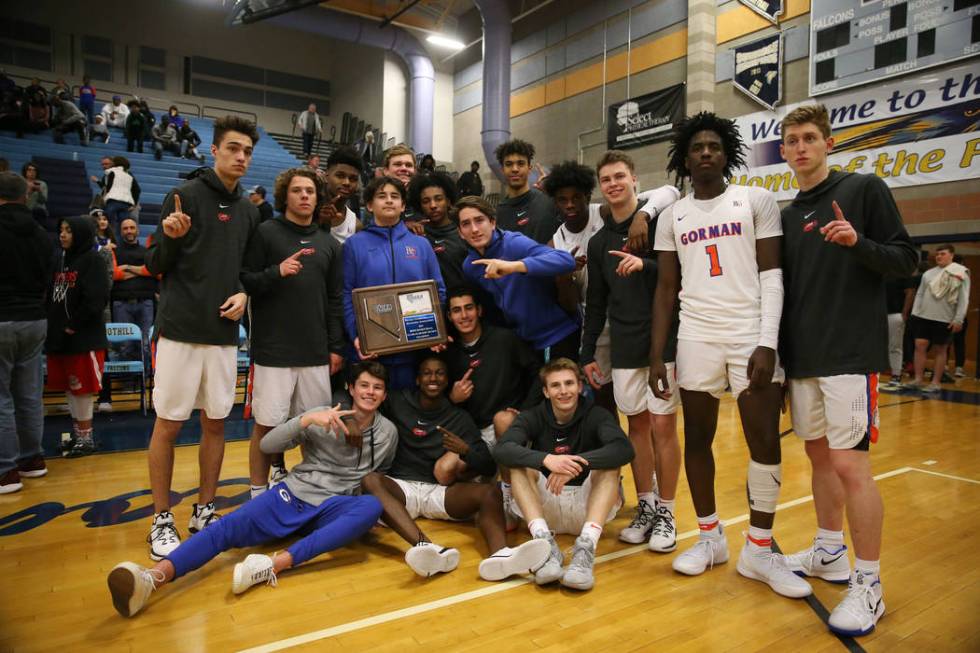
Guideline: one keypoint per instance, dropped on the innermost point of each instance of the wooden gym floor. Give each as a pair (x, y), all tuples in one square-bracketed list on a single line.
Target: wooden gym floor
[(55, 554)]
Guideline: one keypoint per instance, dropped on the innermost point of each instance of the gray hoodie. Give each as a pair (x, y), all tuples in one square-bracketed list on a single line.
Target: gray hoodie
[(330, 466)]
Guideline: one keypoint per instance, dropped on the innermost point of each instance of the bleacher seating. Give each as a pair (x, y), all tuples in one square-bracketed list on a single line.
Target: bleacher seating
[(156, 178)]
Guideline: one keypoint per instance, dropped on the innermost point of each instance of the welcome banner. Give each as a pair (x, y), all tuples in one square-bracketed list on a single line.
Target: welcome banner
[(917, 130)]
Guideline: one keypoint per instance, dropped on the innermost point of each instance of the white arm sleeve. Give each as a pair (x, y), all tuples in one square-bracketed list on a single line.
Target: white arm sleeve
[(771, 283), (658, 199)]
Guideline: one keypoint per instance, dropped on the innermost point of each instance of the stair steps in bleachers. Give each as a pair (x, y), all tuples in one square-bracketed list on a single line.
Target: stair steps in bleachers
[(68, 187), (293, 143)]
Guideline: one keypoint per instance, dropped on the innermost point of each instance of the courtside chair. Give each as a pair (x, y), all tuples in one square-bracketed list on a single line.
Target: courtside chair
[(123, 332)]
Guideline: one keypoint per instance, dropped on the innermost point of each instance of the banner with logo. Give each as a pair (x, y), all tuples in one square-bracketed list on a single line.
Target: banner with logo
[(768, 9), (645, 119), (920, 129), (758, 70)]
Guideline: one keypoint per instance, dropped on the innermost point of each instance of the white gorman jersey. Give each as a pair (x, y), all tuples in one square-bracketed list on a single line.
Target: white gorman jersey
[(345, 229), (720, 295)]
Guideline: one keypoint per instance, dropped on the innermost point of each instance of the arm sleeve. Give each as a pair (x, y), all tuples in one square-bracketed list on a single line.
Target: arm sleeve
[(283, 437), (135, 190), (765, 210), (335, 300), (257, 277), (117, 273), (658, 199), (162, 251), (615, 450), (544, 261), (512, 449), (664, 241), (596, 303), (885, 246)]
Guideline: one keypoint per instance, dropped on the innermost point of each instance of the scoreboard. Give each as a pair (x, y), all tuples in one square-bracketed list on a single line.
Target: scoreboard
[(855, 42)]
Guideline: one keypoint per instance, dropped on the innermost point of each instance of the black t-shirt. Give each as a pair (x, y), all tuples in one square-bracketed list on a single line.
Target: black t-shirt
[(895, 293), (532, 214)]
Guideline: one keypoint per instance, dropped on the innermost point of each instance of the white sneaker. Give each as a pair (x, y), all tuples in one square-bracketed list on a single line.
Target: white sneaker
[(705, 554), (163, 537), (279, 474), (642, 525), (104, 407), (822, 560), (202, 516), (663, 535), (523, 559), (771, 569), (130, 586), (426, 558), (255, 568), (861, 609), (959, 373), (579, 574), (551, 570)]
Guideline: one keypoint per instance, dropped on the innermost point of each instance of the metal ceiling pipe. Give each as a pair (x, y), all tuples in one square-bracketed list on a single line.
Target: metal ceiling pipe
[(496, 78)]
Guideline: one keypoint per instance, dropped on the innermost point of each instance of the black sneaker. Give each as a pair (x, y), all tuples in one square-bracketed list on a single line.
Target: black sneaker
[(82, 447)]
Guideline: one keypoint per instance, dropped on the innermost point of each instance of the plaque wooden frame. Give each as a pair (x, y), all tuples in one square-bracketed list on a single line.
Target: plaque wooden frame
[(399, 317)]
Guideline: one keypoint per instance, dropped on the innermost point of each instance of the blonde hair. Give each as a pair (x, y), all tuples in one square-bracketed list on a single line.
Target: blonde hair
[(812, 113)]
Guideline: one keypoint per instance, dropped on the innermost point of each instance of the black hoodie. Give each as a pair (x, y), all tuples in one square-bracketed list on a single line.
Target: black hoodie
[(834, 313), (201, 270), (420, 442), (532, 214), (25, 265), (78, 295), (450, 252), (592, 433)]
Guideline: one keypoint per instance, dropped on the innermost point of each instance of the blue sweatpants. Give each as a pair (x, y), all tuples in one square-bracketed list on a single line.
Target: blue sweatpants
[(275, 514)]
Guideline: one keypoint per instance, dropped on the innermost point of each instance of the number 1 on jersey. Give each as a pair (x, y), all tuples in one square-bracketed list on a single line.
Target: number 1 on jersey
[(712, 252)]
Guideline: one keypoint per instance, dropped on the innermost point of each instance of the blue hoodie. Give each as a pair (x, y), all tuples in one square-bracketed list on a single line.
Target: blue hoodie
[(381, 255), (529, 301)]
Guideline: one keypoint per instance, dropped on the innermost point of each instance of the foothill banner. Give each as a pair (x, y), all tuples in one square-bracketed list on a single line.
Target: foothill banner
[(645, 119), (916, 130)]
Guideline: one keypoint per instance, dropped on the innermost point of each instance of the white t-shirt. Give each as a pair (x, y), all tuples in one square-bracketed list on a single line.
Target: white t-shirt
[(715, 240), (345, 229)]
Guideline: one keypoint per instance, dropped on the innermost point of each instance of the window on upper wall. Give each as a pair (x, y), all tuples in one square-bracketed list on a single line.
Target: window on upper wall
[(97, 57), (152, 68), (25, 44), (226, 80)]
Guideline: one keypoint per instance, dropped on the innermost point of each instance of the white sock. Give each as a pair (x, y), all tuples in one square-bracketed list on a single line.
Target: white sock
[(591, 531), (830, 537), (760, 539), (649, 497), (867, 567), (709, 526), (656, 488), (538, 527), (256, 490), (669, 505)]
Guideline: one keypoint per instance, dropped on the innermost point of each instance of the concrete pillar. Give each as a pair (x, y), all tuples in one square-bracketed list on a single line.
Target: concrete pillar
[(701, 36)]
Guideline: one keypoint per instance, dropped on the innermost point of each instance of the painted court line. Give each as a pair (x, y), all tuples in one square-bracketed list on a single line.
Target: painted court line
[(455, 599), (949, 476)]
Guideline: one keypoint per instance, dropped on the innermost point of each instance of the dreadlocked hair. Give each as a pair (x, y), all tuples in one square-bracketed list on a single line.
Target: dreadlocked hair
[(727, 130), (570, 174)]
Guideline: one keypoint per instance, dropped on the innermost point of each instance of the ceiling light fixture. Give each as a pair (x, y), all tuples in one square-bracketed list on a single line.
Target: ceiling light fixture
[(445, 42)]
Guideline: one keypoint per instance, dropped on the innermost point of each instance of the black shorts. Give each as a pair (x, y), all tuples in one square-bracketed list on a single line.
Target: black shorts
[(937, 333)]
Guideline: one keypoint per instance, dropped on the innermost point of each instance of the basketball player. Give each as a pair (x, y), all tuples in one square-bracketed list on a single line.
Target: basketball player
[(437, 444), (525, 210), (316, 499), (292, 268), (431, 196), (842, 236), (720, 247), (198, 249), (621, 285), (343, 177), (564, 456)]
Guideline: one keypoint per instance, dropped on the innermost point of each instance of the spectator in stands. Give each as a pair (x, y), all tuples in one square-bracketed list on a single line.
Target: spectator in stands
[(173, 115), (427, 164), (310, 127), (122, 191), (115, 112), (470, 183), (400, 163), (368, 151), (313, 162), (67, 118), (134, 287), (189, 140), (149, 120), (62, 90), (76, 341), (98, 130), (37, 191), (136, 127), (38, 111), (257, 197), (86, 99), (165, 138), (99, 200), (105, 245), (25, 256), (36, 93)]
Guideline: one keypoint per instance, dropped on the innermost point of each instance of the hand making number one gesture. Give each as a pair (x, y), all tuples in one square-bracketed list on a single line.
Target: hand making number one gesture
[(178, 223), (839, 230)]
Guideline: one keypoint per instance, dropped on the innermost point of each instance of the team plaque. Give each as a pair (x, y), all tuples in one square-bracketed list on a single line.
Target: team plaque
[(398, 317)]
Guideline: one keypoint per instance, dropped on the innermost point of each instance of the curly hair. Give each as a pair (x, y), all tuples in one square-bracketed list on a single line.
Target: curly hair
[(427, 180), (285, 178), (514, 146), (727, 131), (345, 155), (570, 174)]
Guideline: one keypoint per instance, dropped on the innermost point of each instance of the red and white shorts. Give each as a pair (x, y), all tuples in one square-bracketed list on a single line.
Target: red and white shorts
[(79, 374)]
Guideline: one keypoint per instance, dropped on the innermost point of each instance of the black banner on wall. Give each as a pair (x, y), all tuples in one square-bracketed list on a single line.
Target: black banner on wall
[(768, 9), (758, 70), (645, 119)]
